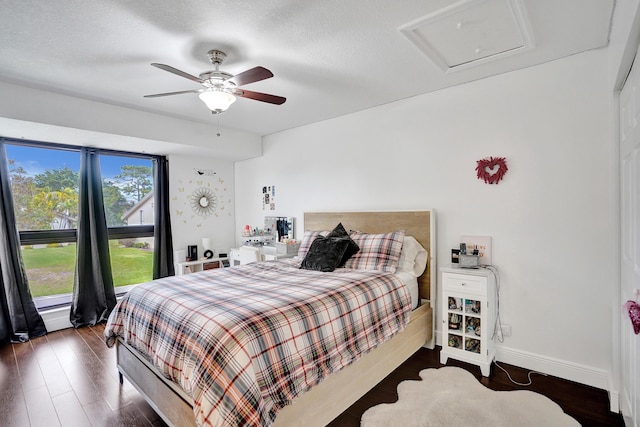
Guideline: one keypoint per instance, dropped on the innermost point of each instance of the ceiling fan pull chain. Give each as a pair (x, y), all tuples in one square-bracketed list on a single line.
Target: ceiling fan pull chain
[(218, 134)]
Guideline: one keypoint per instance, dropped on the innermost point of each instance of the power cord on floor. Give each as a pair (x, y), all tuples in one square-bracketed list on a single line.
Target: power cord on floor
[(528, 376), (497, 326), (497, 330)]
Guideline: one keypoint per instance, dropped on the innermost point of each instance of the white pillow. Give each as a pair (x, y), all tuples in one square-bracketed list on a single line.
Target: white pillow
[(413, 258)]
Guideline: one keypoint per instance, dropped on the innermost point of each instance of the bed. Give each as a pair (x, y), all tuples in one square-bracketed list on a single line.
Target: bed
[(333, 394)]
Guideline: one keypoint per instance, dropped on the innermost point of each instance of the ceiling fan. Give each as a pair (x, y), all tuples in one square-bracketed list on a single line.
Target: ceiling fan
[(220, 89)]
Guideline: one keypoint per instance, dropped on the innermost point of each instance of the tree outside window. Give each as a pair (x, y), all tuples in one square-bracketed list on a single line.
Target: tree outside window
[(46, 204)]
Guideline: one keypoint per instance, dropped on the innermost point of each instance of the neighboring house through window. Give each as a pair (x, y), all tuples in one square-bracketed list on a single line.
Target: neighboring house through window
[(145, 216)]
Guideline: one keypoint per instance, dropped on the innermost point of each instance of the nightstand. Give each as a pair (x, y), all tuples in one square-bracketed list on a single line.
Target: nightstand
[(469, 309)]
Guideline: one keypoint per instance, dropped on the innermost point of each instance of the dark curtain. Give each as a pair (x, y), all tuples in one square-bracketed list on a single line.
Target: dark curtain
[(19, 319), (163, 246), (93, 293)]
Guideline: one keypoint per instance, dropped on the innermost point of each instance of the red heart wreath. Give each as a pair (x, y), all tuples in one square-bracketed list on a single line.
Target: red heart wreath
[(634, 314), (492, 170)]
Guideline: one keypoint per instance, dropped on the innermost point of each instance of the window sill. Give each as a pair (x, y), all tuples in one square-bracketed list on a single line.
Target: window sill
[(52, 302), (56, 309)]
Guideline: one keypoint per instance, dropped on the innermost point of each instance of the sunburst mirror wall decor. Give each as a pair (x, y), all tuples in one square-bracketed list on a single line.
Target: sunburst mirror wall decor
[(203, 202)]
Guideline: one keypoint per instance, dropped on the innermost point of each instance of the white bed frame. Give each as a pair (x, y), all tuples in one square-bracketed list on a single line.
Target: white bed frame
[(340, 390)]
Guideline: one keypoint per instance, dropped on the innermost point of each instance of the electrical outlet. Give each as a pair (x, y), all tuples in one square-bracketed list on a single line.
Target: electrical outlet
[(506, 330)]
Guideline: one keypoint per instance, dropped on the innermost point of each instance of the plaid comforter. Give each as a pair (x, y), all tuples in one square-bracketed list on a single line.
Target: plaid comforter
[(243, 342)]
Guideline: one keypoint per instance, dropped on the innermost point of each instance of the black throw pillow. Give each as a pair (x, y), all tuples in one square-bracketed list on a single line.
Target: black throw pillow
[(324, 254), (352, 248)]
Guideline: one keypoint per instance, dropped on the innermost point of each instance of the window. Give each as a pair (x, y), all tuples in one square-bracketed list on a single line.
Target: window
[(44, 184)]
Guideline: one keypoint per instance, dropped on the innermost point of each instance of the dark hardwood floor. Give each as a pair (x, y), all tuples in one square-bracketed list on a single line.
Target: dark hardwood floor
[(68, 378), (588, 405)]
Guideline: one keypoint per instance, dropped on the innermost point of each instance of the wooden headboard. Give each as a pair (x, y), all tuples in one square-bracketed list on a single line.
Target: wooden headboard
[(419, 224)]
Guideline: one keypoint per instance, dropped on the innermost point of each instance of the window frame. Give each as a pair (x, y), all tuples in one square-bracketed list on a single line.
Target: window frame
[(39, 237), (70, 235)]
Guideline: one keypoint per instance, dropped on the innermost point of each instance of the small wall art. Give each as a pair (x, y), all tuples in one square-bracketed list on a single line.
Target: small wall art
[(269, 198), (491, 170), (203, 172)]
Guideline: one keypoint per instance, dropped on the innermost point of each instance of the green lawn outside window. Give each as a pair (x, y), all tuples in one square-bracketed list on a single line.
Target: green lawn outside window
[(50, 270)]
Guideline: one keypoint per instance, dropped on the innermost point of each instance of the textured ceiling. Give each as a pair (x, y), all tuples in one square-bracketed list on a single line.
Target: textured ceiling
[(329, 57)]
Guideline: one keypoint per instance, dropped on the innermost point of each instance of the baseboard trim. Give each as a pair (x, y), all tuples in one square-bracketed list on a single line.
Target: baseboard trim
[(559, 368), (594, 377), (598, 378)]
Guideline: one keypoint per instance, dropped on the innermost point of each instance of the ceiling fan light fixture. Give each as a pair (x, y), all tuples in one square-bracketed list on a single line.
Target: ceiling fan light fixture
[(216, 100), (220, 88)]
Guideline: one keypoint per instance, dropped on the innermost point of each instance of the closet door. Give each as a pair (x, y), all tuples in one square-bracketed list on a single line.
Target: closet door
[(630, 238)]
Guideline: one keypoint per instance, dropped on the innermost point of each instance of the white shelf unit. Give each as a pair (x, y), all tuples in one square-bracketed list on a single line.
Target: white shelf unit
[(469, 310), (186, 267)]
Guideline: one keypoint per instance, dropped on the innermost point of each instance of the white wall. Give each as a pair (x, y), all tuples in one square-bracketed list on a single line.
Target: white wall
[(188, 228), (550, 219)]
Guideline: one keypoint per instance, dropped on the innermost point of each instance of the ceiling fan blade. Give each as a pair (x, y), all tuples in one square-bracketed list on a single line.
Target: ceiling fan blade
[(178, 72), (157, 95), (258, 96), (253, 75)]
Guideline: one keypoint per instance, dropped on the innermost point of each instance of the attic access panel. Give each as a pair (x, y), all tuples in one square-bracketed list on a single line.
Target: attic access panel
[(471, 32)]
